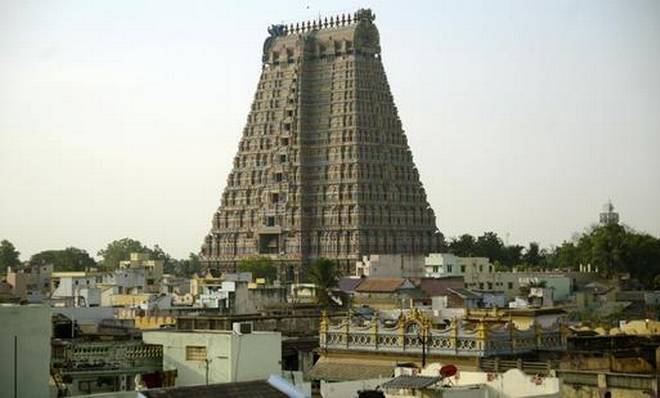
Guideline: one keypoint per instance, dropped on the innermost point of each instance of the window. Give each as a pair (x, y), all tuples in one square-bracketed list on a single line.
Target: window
[(195, 353), (435, 269), (462, 269), (450, 268), (270, 221), (275, 198), (278, 177), (282, 158), (510, 285), (490, 285), (481, 286)]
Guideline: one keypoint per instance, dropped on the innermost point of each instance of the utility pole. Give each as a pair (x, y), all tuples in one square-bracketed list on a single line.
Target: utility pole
[(15, 366), (206, 361)]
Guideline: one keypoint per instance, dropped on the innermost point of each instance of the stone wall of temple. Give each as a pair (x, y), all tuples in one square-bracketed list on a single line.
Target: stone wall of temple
[(323, 168)]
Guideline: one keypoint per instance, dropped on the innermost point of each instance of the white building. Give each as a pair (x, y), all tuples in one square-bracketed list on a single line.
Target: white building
[(439, 265), (78, 290), (239, 297), (218, 356)]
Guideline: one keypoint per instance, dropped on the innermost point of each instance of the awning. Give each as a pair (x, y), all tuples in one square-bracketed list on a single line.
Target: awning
[(341, 370)]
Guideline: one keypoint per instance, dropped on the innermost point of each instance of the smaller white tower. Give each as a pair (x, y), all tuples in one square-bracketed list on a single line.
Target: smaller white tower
[(609, 216)]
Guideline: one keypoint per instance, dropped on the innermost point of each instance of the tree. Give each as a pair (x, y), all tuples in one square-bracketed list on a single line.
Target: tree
[(511, 255), (69, 259), (608, 248), (9, 256), (260, 267), (463, 246), (533, 255), (489, 245), (184, 267), (119, 250), (324, 274), (566, 255)]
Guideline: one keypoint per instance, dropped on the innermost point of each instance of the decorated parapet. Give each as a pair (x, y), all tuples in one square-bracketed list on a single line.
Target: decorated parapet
[(414, 332)]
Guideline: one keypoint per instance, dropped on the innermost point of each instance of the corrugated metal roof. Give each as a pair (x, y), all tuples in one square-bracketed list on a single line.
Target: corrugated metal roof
[(465, 293), (411, 382)]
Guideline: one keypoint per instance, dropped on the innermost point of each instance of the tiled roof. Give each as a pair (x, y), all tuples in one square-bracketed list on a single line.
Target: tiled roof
[(246, 389), (433, 287), (410, 382), (336, 370), (380, 285)]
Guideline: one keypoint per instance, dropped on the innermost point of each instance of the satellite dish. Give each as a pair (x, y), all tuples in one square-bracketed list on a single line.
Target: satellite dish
[(448, 370)]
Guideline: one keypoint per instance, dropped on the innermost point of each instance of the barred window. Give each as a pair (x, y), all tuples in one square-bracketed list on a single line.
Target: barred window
[(195, 353)]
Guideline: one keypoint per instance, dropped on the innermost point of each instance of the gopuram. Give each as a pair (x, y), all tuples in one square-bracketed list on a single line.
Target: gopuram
[(323, 167)]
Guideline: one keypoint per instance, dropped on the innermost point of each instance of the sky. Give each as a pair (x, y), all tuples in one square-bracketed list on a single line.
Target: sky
[(121, 118)]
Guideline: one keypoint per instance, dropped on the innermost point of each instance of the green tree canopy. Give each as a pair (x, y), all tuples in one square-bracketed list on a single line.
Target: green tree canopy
[(184, 267), (260, 267), (69, 259), (533, 255), (487, 245), (9, 256), (121, 249)]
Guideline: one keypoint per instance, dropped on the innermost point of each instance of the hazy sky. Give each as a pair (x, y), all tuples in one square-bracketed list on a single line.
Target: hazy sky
[(121, 118)]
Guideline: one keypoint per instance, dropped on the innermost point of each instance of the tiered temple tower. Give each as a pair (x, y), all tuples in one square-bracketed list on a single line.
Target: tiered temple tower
[(323, 168)]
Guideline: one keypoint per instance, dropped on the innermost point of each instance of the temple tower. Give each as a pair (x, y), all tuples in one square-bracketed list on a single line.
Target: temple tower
[(323, 168)]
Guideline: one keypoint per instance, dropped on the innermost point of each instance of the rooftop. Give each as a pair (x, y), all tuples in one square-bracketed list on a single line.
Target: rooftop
[(246, 389), (380, 285)]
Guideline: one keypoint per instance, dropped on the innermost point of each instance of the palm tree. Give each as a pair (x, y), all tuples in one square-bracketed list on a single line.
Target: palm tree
[(324, 274)]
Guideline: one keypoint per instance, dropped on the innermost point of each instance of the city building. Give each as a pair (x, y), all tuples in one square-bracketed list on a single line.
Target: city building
[(25, 350), (30, 283), (218, 356), (438, 265), (391, 265), (323, 168), (153, 270), (88, 366), (377, 345), (126, 280), (240, 297), (77, 289)]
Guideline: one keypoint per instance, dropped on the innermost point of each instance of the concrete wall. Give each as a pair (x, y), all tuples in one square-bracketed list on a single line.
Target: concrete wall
[(85, 315), (510, 384), (229, 356), (28, 328), (391, 265)]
